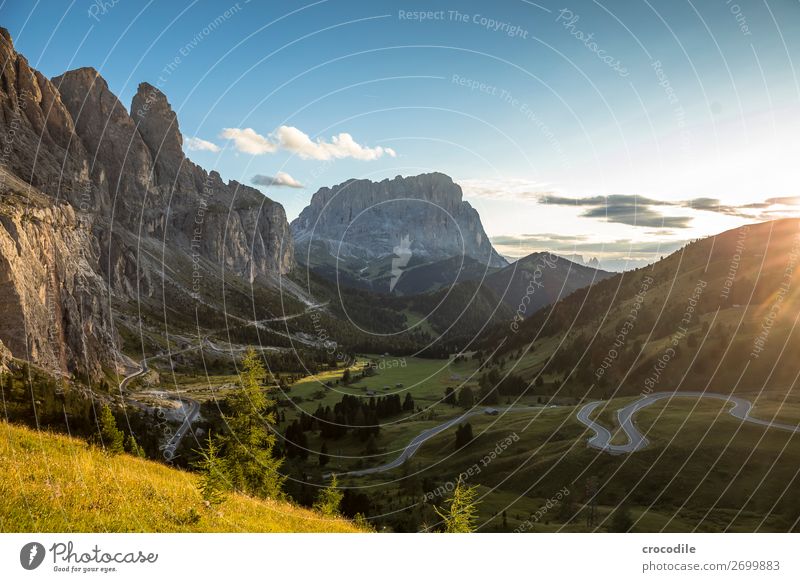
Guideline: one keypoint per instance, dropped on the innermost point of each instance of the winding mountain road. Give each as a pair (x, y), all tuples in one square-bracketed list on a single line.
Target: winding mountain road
[(191, 415), (413, 446), (637, 441), (142, 369)]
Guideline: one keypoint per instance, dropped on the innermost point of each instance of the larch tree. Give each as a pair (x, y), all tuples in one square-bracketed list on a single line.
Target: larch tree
[(329, 499), (248, 447), (111, 438), (462, 513)]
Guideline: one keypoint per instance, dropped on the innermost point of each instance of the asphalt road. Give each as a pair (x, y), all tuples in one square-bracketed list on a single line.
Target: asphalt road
[(142, 369), (425, 435), (637, 441), (191, 415)]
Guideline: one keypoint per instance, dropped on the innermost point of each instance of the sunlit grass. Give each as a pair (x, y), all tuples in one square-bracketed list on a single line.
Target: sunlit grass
[(50, 482)]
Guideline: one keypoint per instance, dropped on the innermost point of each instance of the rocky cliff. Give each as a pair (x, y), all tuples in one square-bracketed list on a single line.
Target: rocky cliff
[(417, 219), (101, 207), (52, 305)]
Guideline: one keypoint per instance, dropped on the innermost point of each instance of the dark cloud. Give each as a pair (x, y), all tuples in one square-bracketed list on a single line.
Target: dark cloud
[(715, 205), (629, 199), (639, 210), (624, 209), (637, 215), (745, 210), (779, 200)]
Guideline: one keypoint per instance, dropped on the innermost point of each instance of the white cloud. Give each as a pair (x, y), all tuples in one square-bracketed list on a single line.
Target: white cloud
[(248, 141), (279, 179), (340, 146), (293, 140), (196, 144)]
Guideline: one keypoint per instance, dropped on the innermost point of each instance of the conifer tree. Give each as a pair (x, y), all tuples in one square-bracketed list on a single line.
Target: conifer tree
[(323, 455), (248, 447), (111, 438), (133, 447), (213, 481), (329, 499), (466, 398), (461, 515)]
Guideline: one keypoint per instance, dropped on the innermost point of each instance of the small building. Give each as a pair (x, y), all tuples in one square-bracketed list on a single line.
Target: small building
[(491, 411)]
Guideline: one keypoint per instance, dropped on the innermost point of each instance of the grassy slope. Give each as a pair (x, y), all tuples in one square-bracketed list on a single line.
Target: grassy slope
[(50, 482)]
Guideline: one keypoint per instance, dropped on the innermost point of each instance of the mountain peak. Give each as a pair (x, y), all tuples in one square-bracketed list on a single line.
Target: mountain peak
[(86, 76), (158, 125), (363, 221), (6, 36)]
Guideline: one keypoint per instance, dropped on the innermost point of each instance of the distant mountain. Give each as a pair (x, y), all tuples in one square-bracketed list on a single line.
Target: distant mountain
[(459, 313), (374, 234), (540, 279), (594, 262)]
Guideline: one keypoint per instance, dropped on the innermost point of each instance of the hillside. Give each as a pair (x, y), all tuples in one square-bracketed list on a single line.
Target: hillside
[(540, 279), (719, 313), (52, 483)]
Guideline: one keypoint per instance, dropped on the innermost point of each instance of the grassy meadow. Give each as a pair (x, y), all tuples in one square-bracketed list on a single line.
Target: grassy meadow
[(54, 483)]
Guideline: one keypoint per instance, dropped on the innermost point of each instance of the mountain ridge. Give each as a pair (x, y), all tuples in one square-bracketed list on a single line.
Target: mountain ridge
[(111, 196)]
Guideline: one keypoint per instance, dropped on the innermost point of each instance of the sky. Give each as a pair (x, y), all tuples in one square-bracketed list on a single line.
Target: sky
[(618, 129)]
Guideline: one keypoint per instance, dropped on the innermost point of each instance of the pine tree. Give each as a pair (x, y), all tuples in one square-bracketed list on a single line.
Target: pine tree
[(329, 499), (466, 398), (323, 455), (213, 481), (461, 515), (621, 521), (463, 435), (249, 445), (132, 447), (111, 438), (361, 522)]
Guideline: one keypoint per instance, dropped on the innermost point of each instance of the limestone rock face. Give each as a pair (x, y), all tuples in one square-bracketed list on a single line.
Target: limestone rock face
[(158, 126), (53, 310), (38, 131), (120, 162), (423, 216), (157, 191), (5, 357), (101, 206)]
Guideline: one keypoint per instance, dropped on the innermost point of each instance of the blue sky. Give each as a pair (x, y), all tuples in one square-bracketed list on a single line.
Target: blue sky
[(680, 111)]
